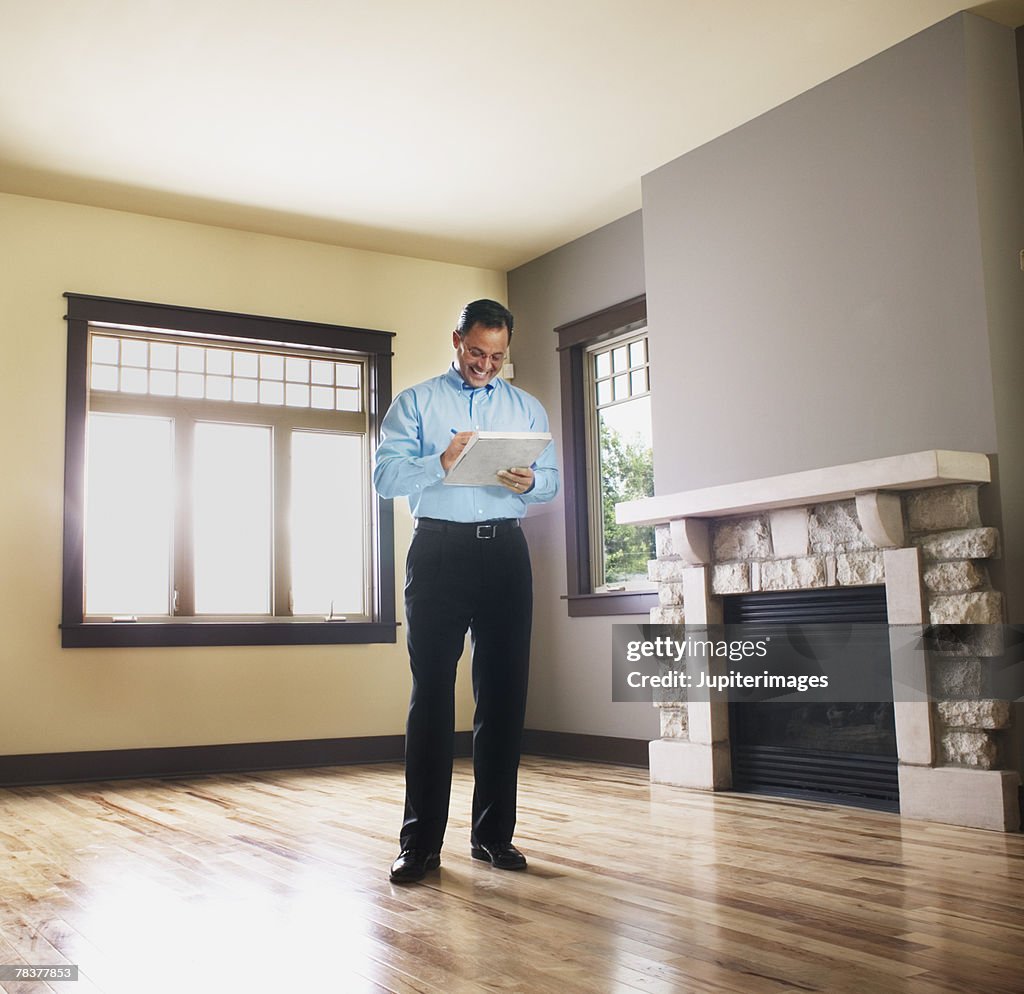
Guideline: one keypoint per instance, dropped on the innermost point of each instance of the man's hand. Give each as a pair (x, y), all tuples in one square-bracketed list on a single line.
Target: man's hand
[(454, 450), (517, 479)]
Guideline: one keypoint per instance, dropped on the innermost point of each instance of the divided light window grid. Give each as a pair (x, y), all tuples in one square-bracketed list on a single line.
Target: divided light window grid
[(224, 482), (620, 372), (619, 459), (217, 479), (170, 369)]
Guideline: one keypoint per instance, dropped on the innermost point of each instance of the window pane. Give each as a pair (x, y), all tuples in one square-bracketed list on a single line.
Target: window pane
[(163, 382), (105, 378), (218, 361), (190, 358), (604, 392), (297, 370), (621, 387), (620, 359), (638, 352), (134, 353), (218, 388), (246, 364), (245, 391), (233, 519), (348, 374), (328, 524), (190, 385), (104, 350), (271, 393), (272, 367), (603, 364), (134, 380), (638, 381), (349, 400), (128, 515), (323, 372), (323, 398), (297, 395), (626, 460), (163, 356)]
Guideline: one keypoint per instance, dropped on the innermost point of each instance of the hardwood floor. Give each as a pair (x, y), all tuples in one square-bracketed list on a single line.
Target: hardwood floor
[(278, 882)]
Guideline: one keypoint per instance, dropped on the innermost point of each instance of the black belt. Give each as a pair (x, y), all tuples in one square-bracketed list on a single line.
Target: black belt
[(469, 529)]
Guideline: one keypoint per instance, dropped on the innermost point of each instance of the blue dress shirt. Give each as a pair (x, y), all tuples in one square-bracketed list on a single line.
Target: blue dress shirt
[(418, 428)]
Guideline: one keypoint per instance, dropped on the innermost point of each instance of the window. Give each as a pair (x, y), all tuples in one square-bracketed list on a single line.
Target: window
[(217, 479), (606, 425)]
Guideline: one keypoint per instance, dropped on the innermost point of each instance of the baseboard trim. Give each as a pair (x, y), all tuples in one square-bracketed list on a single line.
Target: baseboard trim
[(597, 748), (248, 757), (183, 761)]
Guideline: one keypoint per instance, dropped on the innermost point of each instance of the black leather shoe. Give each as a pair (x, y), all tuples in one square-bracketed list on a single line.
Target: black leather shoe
[(412, 865), (501, 855)]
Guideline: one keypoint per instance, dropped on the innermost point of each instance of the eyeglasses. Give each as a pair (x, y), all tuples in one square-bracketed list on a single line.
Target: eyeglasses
[(496, 357)]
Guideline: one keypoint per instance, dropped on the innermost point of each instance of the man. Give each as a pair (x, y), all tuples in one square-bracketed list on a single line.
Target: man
[(468, 568)]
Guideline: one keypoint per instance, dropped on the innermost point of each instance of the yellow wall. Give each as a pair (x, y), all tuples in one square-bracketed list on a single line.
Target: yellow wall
[(56, 700)]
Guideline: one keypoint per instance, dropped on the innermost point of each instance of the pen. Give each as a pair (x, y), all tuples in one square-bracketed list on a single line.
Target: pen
[(454, 432)]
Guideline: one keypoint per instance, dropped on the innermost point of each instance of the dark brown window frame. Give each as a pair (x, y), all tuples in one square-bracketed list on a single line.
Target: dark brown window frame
[(374, 346), (573, 340)]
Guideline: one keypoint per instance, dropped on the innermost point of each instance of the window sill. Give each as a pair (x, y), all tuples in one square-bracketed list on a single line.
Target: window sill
[(100, 634), (611, 602)]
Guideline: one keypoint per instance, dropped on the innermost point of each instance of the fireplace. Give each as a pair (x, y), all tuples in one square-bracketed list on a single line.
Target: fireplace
[(842, 751), (906, 525)]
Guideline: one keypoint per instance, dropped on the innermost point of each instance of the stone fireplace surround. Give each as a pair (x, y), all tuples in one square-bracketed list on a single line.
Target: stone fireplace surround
[(910, 522)]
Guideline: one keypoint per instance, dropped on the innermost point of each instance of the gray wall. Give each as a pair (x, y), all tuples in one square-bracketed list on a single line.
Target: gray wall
[(836, 280), (823, 286), (570, 678), (814, 279), (992, 60), (995, 109)]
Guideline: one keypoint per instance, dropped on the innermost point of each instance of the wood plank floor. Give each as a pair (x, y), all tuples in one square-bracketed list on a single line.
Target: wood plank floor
[(278, 882)]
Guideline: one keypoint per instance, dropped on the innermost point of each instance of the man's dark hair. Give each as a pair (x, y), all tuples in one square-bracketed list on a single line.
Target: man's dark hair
[(488, 313)]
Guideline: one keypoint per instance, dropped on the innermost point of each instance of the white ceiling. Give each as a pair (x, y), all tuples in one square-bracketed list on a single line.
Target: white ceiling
[(464, 130)]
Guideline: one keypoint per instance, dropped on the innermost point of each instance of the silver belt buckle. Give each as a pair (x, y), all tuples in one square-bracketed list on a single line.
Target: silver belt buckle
[(485, 531)]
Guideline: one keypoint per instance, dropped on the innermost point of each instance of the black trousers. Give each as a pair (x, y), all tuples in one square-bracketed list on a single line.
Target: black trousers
[(456, 582)]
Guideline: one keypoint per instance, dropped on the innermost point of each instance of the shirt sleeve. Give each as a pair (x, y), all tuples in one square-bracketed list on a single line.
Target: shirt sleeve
[(545, 469), (400, 468)]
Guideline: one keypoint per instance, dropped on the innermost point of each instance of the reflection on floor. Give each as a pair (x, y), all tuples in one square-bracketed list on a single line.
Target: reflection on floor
[(278, 882)]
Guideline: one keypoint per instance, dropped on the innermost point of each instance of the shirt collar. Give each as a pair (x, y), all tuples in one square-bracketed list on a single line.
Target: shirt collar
[(454, 377)]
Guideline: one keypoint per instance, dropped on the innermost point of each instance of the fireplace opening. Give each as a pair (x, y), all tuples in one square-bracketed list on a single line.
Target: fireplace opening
[(843, 752)]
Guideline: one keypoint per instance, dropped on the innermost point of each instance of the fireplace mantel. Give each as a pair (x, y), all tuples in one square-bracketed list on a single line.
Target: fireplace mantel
[(933, 468)]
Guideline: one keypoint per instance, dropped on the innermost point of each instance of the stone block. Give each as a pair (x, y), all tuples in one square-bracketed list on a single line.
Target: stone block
[(975, 714), (836, 528), (668, 697), (673, 722), (955, 577), (741, 538), (666, 570), (730, 578), (956, 678), (970, 543), (670, 594), (975, 798), (789, 531), (691, 764), (975, 750), (663, 541), (942, 508), (965, 640), (667, 616), (859, 569), (984, 607), (793, 574)]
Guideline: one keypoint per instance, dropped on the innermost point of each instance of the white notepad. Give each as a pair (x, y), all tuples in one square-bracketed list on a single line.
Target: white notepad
[(490, 451)]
